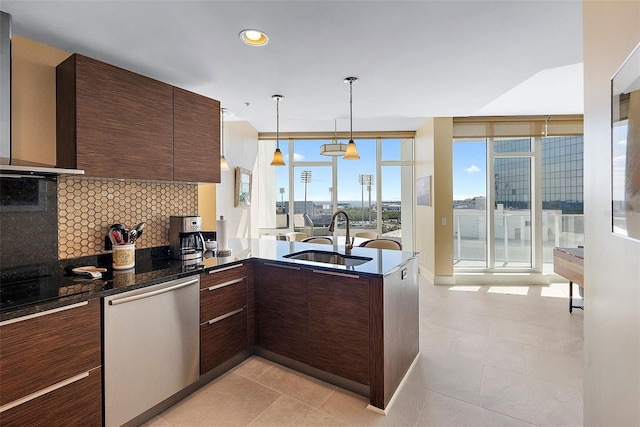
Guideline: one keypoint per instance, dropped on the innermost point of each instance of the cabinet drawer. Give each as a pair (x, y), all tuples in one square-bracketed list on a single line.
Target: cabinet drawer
[(215, 302), (76, 404), (37, 352), (216, 277), (222, 340)]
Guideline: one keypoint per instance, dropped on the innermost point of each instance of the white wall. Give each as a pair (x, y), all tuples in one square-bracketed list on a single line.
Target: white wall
[(240, 150), (612, 263)]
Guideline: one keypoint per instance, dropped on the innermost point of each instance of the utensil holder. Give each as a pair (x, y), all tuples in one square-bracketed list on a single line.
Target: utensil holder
[(124, 256)]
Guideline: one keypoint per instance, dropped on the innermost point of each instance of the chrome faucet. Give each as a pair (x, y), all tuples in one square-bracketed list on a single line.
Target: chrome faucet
[(348, 245)]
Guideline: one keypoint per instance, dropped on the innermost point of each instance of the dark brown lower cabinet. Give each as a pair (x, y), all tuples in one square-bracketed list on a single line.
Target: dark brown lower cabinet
[(282, 310), (223, 339), (76, 404), (339, 325), (226, 314), (50, 368)]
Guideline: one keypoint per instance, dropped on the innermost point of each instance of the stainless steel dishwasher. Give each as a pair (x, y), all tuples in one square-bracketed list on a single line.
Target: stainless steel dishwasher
[(151, 346)]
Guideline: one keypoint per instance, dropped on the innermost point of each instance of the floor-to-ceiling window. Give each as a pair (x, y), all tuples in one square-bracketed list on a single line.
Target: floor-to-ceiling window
[(376, 191), (515, 198)]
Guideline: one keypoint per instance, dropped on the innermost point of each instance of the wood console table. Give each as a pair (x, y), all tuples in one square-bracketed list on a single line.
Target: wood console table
[(569, 263)]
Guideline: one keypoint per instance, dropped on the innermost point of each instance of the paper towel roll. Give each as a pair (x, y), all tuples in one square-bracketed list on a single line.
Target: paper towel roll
[(221, 234)]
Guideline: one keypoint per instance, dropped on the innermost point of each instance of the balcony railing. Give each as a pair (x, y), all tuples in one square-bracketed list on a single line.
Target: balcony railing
[(512, 241)]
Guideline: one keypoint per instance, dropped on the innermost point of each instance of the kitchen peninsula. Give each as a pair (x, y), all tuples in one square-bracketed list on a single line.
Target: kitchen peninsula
[(353, 325)]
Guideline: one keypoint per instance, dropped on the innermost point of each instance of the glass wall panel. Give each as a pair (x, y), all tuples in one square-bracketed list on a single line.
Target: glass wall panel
[(393, 210), (512, 145), (470, 204), (514, 234), (357, 186), (312, 199), (512, 215), (562, 195), (376, 194)]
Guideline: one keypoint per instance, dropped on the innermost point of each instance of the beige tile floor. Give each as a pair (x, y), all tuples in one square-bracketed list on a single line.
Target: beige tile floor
[(490, 356)]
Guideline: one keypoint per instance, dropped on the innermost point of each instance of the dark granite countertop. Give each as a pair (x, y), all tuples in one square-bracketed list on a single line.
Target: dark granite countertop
[(57, 286)]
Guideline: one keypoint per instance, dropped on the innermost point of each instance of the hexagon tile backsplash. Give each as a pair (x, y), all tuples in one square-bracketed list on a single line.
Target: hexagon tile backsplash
[(88, 206)]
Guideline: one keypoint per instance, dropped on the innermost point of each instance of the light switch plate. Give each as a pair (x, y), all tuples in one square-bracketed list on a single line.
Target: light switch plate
[(444, 221)]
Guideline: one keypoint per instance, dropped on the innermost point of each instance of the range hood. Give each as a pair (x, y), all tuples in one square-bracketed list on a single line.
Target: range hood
[(10, 167)]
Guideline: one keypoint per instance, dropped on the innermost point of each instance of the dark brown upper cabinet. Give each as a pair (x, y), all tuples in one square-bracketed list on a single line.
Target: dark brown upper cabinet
[(114, 123), (196, 137)]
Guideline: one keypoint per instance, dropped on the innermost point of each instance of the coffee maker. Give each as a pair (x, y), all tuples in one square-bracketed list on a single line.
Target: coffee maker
[(185, 238)]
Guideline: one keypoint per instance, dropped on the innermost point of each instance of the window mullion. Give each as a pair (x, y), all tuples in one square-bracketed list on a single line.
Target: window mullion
[(491, 200)]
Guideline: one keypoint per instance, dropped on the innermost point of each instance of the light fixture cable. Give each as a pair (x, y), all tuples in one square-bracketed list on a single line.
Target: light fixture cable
[(334, 148), (224, 166)]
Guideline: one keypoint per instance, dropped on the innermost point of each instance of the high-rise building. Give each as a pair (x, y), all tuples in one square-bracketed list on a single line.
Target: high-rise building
[(562, 174)]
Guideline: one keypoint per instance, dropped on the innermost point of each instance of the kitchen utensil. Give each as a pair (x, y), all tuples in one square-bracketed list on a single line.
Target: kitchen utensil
[(117, 234), (89, 270), (136, 232)]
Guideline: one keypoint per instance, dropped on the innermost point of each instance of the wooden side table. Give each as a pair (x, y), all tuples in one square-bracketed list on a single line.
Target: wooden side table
[(569, 263)]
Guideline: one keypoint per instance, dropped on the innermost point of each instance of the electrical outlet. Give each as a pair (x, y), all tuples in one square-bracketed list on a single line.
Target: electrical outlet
[(444, 221)]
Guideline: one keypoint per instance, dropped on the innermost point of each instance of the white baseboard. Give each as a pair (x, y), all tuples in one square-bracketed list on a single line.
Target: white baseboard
[(444, 281)]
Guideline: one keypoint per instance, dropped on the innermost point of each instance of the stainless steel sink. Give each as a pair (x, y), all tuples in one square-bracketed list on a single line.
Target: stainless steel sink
[(324, 257)]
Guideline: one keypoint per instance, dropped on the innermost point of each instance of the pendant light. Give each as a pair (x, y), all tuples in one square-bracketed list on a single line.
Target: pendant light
[(352, 152), (335, 148), (224, 166), (277, 155)]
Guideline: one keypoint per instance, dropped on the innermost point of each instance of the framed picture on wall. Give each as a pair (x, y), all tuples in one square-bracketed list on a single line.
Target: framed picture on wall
[(423, 191), (625, 148), (242, 193)]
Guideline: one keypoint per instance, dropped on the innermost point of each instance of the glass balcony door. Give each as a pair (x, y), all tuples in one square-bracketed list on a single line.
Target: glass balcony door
[(512, 215)]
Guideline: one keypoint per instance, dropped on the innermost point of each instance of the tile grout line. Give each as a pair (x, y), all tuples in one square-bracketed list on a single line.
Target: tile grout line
[(266, 409), (424, 406)]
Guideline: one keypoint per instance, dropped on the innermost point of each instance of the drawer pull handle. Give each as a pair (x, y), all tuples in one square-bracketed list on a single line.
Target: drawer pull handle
[(44, 313), (331, 273), (222, 285), (218, 270), (290, 267), (224, 316), (44, 391)]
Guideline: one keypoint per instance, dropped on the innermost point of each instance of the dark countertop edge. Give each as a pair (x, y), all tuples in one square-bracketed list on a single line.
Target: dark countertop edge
[(13, 313)]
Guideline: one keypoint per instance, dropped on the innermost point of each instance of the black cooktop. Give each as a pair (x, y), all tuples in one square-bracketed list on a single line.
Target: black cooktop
[(31, 284)]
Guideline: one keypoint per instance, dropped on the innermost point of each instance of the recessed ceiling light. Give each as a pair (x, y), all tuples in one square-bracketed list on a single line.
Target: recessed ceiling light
[(253, 37)]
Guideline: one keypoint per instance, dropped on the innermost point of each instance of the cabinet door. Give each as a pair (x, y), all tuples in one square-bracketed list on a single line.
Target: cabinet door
[(76, 404), (339, 325), (113, 123), (282, 311), (39, 352), (223, 339), (196, 137)]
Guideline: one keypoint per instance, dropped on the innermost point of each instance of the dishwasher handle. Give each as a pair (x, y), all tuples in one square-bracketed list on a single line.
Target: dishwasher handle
[(152, 293)]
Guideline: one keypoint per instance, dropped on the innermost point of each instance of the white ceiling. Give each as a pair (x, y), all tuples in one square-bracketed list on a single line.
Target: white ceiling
[(414, 59)]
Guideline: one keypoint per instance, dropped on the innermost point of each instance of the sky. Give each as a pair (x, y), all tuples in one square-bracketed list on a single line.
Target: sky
[(469, 170), (349, 188)]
